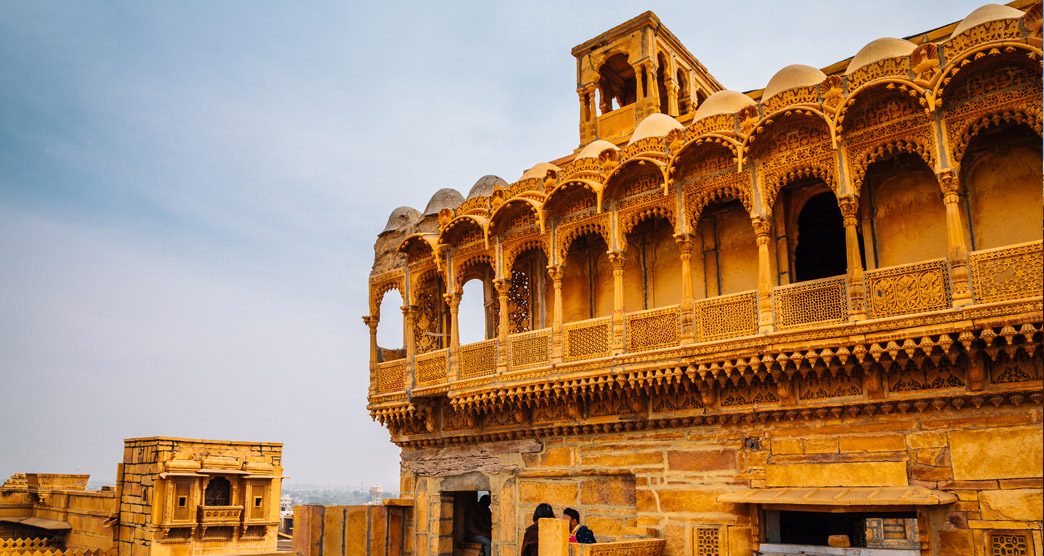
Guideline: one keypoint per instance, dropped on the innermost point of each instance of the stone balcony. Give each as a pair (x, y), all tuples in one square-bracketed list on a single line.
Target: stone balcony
[(220, 516), (728, 337)]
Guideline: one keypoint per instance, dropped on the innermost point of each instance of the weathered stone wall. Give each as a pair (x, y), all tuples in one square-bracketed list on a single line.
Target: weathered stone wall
[(666, 483), (352, 530)]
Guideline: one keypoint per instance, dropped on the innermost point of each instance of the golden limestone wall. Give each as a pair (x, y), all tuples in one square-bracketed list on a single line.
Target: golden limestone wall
[(60, 498), (163, 511), (666, 483)]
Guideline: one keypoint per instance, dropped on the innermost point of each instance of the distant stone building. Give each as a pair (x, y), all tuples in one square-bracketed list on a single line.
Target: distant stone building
[(173, 496), (802, 319)]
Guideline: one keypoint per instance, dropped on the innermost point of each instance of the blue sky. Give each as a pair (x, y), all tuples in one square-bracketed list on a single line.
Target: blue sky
[(189, 193)]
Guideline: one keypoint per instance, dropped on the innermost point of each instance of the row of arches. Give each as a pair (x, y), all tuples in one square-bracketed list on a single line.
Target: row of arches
[(900, 216)]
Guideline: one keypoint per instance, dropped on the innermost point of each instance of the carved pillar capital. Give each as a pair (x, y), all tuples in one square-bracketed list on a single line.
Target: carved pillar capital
[(452, 299), (849, 209), (616, 260), (555, 272)]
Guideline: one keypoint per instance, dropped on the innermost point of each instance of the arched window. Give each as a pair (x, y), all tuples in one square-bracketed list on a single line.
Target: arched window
[(903, 212), (728, 250), (218, 493), (1001, 175), (475, 311), (819, 241), (617, 83), (588, 279), (527, 298), (652, 267), (390, 340)]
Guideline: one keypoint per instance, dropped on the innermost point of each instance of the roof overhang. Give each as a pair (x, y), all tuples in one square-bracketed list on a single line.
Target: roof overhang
[(39, 523), (840, 496)]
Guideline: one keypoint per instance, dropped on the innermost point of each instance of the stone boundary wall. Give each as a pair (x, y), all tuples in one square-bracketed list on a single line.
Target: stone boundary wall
[(352, 530)]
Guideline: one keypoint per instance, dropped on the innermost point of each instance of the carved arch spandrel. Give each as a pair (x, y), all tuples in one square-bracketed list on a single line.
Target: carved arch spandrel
[(379, 290), (882, 121), (512, 252), (995, 89), (566, 237), (460, 272), (790, 148)]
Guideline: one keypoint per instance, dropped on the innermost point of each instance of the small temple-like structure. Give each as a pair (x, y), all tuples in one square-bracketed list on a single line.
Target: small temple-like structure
[(801, 318)]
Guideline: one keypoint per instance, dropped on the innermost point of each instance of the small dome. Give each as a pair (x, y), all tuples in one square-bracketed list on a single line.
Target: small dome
[(880, 49), (982, 14), (484, 186), (539, 171), (443, 198), (400, 218), (792, 77), (595, 149), (654, 125), (722, 102)]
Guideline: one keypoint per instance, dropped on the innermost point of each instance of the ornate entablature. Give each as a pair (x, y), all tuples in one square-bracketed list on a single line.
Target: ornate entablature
[(627, 290)]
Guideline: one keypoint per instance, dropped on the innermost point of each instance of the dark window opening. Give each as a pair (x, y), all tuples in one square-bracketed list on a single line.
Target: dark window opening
[(218, 493), (895, 530), (182, 501), (618, 84), (471, 518), (820, 249), (257, 501)]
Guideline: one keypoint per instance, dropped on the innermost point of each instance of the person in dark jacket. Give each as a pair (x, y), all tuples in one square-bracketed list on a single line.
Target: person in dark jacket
[(479, 527), (531, 540), (577, 533)]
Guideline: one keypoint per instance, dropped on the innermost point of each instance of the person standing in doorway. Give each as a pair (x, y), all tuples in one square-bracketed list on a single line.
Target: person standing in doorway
[(480, 525)]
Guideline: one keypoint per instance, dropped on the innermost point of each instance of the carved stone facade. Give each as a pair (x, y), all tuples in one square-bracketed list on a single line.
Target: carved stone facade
[(819, 299), (172, 496)]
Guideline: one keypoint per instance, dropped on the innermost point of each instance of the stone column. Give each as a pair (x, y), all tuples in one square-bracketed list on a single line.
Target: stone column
[(762, 234), (408, 312), (956, 247), (453, 300), (654, 90), (503, 287), (371, 323), (555, 272), (687, 332), (850, 213), (672, 96), (639, 94), (617, 262)]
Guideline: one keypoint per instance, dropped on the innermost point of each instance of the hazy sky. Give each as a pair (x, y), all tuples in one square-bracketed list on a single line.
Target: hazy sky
[(190, 191)]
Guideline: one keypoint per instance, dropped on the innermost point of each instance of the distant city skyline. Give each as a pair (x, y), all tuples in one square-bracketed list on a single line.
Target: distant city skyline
[(189, 194)]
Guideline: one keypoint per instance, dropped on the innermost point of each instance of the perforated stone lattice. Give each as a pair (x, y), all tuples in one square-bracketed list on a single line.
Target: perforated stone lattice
[(478, 359), (532, 348), (653, 329), (727, 316), (587, 339), (431, 368), (1008, 273), (816, 301)]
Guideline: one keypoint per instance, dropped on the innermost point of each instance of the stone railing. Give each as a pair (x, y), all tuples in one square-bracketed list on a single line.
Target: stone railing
[(587, 339), (478, 359), (727, 316), (529, 349), (23, 544), (54, 552), (617, 122), (214, 516), (823, 301), (639, 547), (431, 367), (908, 288), (652, 329), (1011, 272), (391, 376)]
